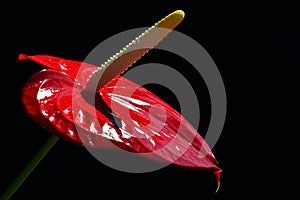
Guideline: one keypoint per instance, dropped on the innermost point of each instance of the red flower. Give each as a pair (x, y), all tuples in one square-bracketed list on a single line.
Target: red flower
[(53, 96), (57, 99)]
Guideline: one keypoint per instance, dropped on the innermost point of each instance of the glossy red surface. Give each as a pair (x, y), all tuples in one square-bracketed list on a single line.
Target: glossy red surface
[(56, 100)]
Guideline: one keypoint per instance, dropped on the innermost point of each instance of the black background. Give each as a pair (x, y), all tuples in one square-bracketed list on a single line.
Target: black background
[(256, 48)]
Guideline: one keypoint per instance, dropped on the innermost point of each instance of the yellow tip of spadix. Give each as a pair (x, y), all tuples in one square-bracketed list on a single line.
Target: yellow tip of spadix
[(171, 20)]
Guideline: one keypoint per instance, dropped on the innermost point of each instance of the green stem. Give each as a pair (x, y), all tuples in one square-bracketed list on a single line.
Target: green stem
[(29, 168)]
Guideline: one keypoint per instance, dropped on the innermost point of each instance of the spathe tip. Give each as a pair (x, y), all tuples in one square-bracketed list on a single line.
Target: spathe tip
[(218, 176)]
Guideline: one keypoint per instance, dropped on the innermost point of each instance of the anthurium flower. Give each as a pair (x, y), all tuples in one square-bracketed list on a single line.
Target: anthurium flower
[(59, 98)]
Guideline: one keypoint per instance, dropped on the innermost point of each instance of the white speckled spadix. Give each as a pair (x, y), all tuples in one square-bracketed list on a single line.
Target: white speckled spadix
[(133, 51)]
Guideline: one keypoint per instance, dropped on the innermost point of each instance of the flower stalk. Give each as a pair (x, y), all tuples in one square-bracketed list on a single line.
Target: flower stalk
[(29, 168)]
